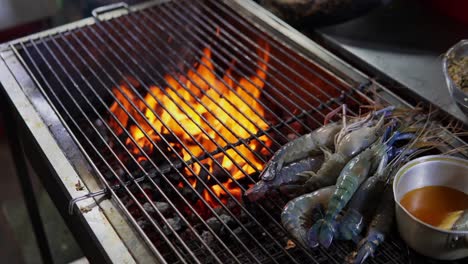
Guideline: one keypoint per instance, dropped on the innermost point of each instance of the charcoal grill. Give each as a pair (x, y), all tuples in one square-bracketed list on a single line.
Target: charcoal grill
[(139, 181)]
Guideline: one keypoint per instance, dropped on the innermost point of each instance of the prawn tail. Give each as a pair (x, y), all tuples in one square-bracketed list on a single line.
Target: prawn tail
[(312, 236), (367, 247), (363, 253), (351, 226), (322, 232)]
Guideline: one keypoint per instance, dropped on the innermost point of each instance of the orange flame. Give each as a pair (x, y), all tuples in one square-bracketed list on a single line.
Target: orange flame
[(199, 107)]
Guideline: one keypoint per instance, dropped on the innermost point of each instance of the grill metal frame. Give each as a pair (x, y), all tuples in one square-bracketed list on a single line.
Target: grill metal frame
[(111, 233)]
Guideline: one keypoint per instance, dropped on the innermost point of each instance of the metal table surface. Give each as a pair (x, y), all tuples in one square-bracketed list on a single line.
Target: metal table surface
[(404, 41)]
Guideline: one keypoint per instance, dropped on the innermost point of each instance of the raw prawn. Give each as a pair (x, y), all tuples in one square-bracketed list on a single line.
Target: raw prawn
[(364, 201), (352, 139), (348, 147), (297, 216), (353, 174), (361, 207), (290, 174), (298, 149), (379, 227)]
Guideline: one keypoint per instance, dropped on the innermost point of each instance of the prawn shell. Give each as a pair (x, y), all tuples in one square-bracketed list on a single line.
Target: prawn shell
[(297, 215), (351, 177), (358, 140), (361, 206), (287, 175), (349, 147), (300, 148)]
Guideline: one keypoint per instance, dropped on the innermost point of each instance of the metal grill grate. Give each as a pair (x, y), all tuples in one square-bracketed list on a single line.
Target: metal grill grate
[(77, 69)]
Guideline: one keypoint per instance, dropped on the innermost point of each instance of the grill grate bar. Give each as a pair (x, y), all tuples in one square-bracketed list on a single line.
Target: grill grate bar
[(123, 146), (278, 46), (214, 177), (102, 158)]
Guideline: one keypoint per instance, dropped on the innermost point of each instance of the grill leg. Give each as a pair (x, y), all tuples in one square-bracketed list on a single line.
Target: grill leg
[(22, 171)]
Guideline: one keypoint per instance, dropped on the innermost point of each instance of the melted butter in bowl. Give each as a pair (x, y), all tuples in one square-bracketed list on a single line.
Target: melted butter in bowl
[(439, 206)]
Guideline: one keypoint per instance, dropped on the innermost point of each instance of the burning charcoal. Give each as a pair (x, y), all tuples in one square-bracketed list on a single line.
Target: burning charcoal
[(199, 187), (120, 172), (226, 219), (143, 223), (148, 208), (243, 216), (207, 237), (297, 127), (128, 202), (146, 186), (152, 175), (109, 175), (102, 129), (220, 173), (216, 225), (189, 194), (145, 164), (173, 176), (219, 210), (231, 204), (237, 231), (163, 207), (175, 223), (187, 235)]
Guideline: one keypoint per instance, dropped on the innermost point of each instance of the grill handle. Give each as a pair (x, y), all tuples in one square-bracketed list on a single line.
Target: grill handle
[(108, 8)]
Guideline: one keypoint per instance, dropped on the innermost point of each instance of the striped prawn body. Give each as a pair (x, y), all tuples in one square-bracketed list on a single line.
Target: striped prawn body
[(282, 169), (351, 177)]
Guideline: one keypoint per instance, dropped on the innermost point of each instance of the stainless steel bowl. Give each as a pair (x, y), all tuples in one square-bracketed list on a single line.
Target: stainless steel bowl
[(428, 240), (458, 51)]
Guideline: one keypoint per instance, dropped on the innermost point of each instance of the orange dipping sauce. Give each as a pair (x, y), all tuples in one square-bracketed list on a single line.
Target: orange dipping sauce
[(432, 204)]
